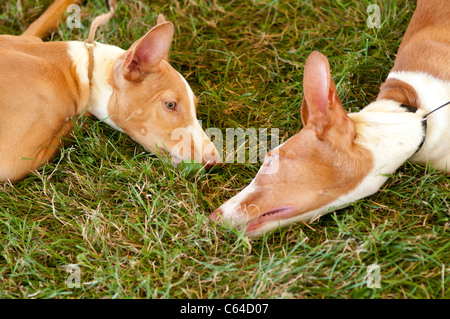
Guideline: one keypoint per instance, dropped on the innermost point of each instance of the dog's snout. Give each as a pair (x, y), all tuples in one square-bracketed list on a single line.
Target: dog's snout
[(212, 159)]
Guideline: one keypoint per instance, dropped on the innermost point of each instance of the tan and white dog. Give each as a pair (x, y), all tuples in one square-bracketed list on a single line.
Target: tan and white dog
[(338, 158), (43, 85)]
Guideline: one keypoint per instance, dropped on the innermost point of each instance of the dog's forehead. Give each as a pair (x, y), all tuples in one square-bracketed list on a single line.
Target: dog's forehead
[(190, 94), (170, 85)]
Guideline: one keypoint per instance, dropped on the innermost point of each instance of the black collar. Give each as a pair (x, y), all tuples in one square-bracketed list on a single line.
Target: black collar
[(413, 109)]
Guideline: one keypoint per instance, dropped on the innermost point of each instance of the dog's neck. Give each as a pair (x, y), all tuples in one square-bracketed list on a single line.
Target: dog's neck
[(394, 133), (391, 133), (103, 63), (430, 93)]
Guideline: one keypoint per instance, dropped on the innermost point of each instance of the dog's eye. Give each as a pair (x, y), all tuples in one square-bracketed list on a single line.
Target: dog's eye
[(268, 160), (271, 160), (171, 105)]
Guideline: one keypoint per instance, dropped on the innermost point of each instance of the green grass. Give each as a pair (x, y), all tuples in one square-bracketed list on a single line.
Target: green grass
[(138, 228)]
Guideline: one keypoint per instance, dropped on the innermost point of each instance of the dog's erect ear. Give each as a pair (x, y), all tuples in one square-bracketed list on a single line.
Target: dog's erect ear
[(321, 106), (160, 19), (145, 55)]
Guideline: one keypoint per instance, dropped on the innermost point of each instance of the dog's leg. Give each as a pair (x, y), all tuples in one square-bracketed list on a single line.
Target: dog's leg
[(49, 150), (33, 159), (49, 20)]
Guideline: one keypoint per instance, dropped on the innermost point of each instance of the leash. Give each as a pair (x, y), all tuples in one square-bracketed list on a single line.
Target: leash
[(89, 44), (424, 120), (438, 108)]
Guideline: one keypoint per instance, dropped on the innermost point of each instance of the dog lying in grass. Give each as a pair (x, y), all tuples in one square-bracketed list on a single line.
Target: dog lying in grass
[(44, 85)]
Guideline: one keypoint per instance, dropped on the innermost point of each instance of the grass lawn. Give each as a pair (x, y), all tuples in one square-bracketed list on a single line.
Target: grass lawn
[(137, 228)]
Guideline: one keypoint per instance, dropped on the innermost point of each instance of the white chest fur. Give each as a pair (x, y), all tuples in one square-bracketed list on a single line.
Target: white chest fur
[(432, 93), (100, 91)]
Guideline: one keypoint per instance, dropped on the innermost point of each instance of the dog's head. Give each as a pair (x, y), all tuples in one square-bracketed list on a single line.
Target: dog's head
[(312, 171), (154, 104)]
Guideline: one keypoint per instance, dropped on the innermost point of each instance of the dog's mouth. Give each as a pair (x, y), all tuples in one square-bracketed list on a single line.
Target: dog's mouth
[(165, 155), (277, 214)]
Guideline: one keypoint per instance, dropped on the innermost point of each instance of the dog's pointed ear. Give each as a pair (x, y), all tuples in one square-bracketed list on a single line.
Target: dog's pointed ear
[(160, 19), (321, 107), (145, 55)]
